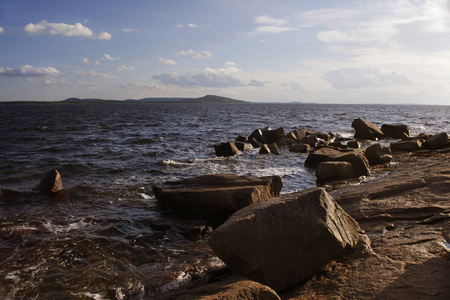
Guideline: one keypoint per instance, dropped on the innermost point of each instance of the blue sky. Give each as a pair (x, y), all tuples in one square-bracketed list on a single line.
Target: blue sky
[(311, 51)]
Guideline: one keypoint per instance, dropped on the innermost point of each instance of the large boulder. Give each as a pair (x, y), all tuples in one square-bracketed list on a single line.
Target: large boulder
[(272, 136), (334, 170), (51, 183), (285, 240), (378, 155), (355, 157), (215, 197), (407, 146), (234, 288), (437, 141), (227, 149), (396, 131), (365, 130)]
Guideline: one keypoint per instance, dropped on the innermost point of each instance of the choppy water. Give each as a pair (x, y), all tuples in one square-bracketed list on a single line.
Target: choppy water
[(96, 241)]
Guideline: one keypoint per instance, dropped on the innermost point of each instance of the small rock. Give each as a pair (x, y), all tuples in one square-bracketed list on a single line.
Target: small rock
[(354, 144), (227, 149), (51, 183), (299, 148), (378, 155), (407, 146)]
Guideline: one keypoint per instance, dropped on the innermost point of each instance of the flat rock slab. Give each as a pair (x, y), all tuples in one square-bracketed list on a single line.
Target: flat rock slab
[(216, 197)]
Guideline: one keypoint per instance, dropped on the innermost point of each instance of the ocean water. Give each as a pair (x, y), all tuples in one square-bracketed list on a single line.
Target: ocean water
[(97, 240)]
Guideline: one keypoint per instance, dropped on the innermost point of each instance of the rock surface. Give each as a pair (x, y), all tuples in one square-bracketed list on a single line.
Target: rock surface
[(408, 146), (365, 130), (396, 131), (236, 288), (378, 154), (355, 157), (286, 239), (334, 170), (406, 217), (437, 141), (215, 197)]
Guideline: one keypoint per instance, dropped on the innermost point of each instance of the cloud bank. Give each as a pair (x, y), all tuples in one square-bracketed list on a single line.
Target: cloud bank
[(78, 30), (29, 71)]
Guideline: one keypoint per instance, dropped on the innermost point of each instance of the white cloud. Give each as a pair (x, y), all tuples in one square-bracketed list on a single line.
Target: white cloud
[(179, 26), (2, 30), (217, 78), (125, 68), (353, 78), (203, 55), (196, 55), (29, 71), (78, 30), (168, 62), (104, 36), (127, 30), (190, 25), (269, 20), (143, 86), (85, 60), (94, 74), (273, 29), (109, 57)]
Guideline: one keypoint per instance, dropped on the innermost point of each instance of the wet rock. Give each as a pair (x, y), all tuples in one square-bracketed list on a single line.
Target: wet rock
[(191, 229), (355, 157), (272, 136), (437, 141), (378, 155), (241, 138), (334, 170), (227, 149), (285, 240), (310, 139), (365, 130), (264, 149), (396, 131), (299, 134), (299, 148), (354, 144), (243, 146), (215, 197), (339, 145), (51, 183), (407, 146), (270, 149), (254, 142), (231, 288), (257, 136)]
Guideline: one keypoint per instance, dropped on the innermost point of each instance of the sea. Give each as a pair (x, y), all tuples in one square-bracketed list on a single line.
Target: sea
[(97, 240)]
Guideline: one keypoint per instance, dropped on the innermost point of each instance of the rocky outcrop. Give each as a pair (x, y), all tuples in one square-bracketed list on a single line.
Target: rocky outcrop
[(406, 216), (215, 197), (354, 157), (51, 183), (396, 131), (235, 288), (407, 146), (334, 170), (227, 149), (299, 148), (437, 141), (378, 154), (285, 240), (365, 130)]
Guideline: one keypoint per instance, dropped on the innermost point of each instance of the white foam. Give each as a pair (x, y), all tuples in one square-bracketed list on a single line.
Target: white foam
[(145, 196)]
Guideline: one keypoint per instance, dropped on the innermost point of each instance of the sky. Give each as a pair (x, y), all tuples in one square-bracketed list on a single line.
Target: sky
[(386, 51)]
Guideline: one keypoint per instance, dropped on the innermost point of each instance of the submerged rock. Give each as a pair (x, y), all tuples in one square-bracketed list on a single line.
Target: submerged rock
[(51, 183), (215, 197), (285, 240)]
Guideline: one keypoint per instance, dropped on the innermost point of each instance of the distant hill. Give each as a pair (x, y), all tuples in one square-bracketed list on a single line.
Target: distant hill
[(204, 99)]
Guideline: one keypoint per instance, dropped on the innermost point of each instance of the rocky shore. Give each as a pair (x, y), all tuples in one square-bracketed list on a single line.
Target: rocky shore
[(387, 236)]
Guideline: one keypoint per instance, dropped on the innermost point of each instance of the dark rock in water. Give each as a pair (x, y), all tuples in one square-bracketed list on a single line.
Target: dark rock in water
[(51, 183), (310, 139), (190, 229), (422, 136), (215, 197), (355, 157), (354, 144), (334, 170), (273, 147), (255, 143), (241, 138), (321, 135), (299, 134), (231, 288), (396, 131), (285, 240), (437, 141), (257, 135), (365, 130), (407, 146), (264, 149), (299, 148), (227, 149), (287, 140), (243, 146), (378, 155), (339, 145), (272, 136)]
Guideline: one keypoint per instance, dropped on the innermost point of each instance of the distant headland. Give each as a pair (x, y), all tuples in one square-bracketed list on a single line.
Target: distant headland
[(204, 99)]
